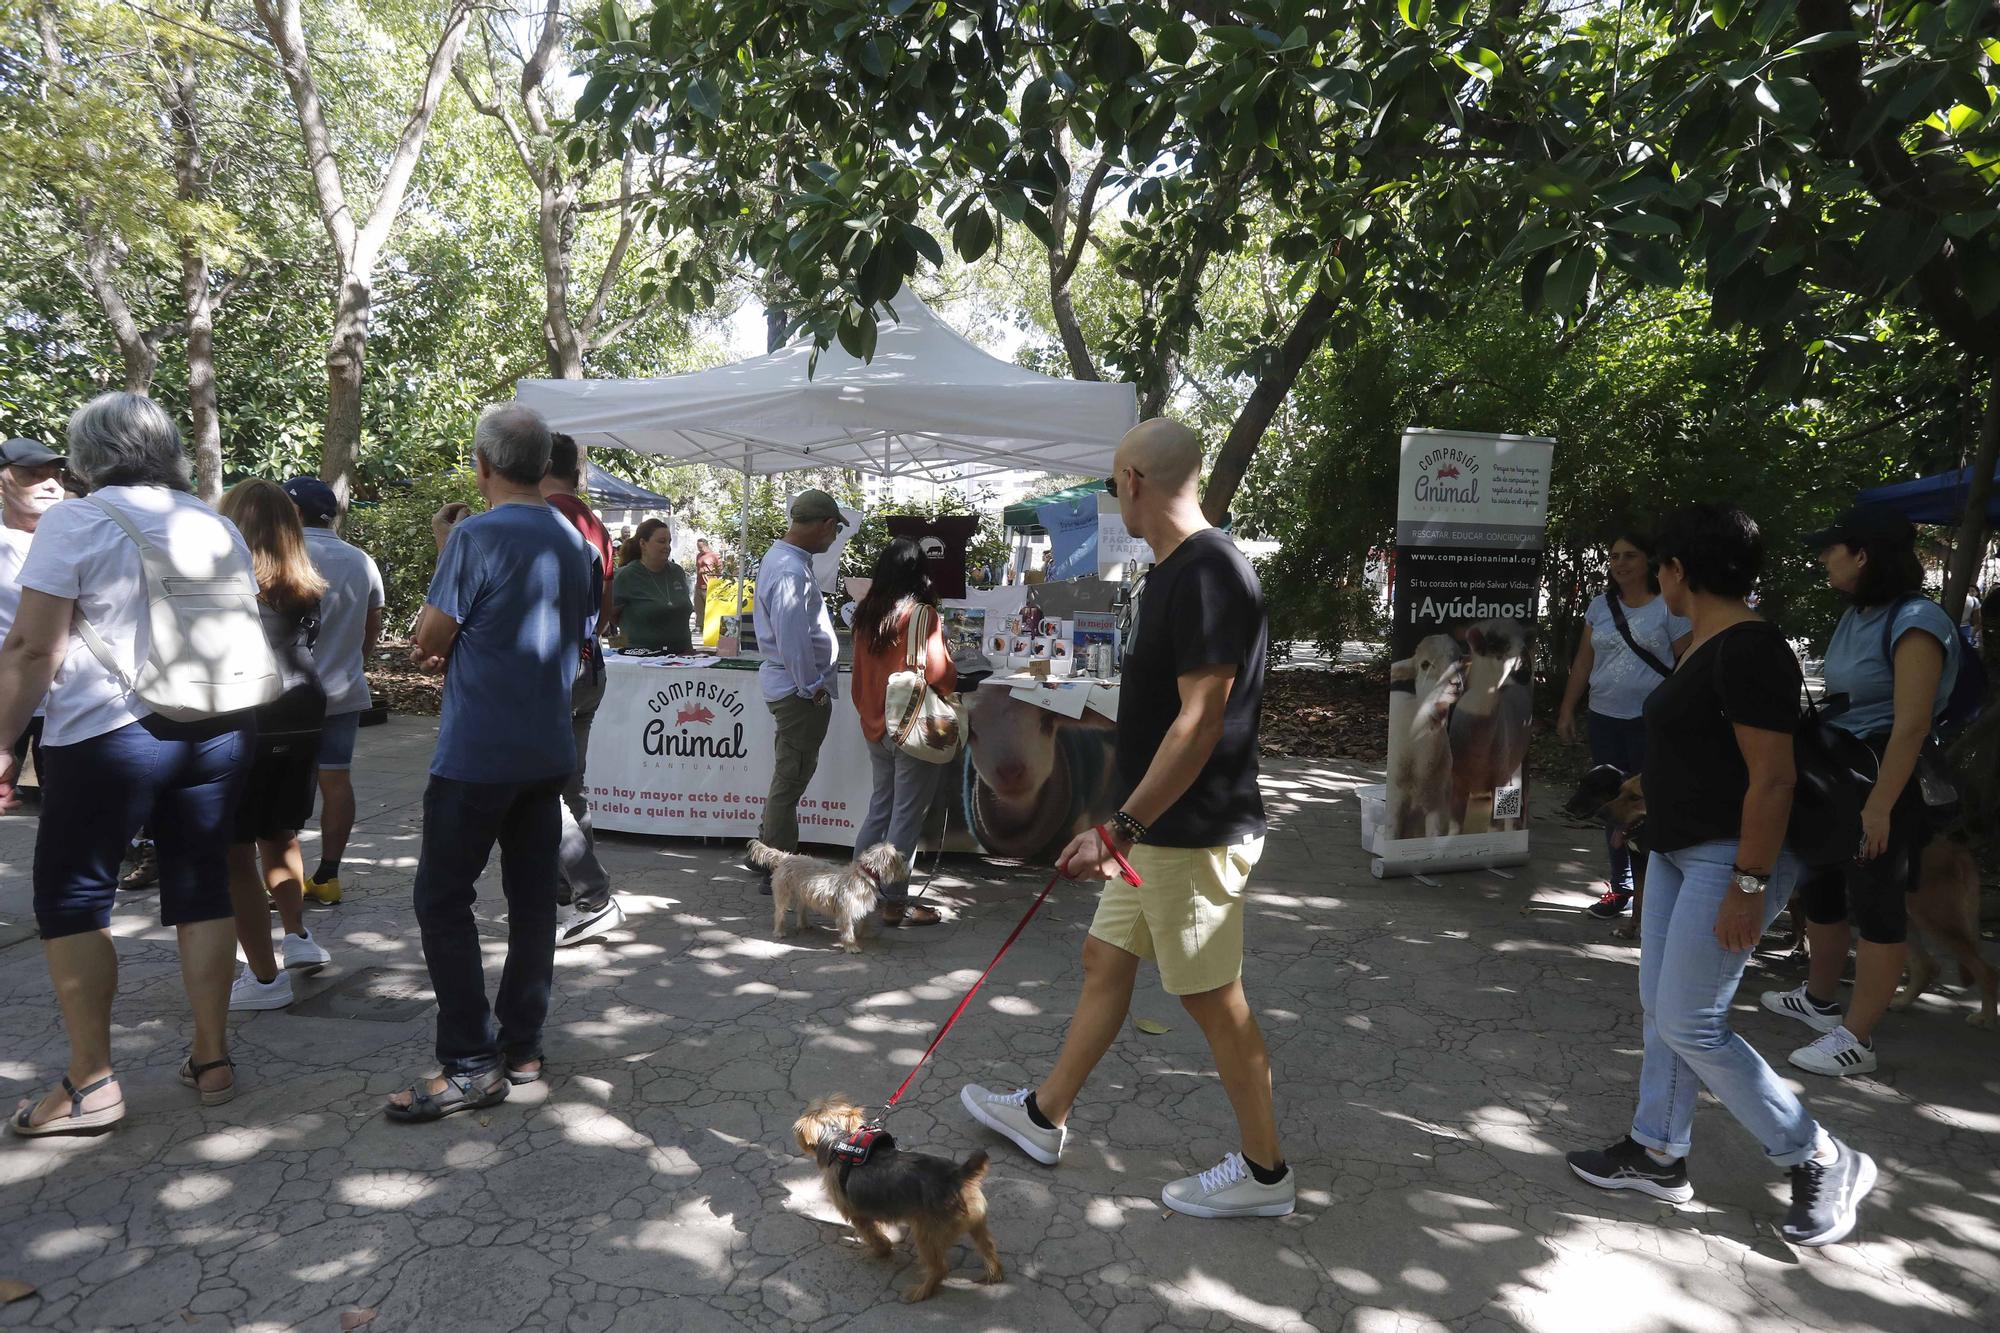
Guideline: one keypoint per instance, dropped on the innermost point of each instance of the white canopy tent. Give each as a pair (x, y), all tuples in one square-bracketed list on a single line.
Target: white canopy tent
[(929, 405)]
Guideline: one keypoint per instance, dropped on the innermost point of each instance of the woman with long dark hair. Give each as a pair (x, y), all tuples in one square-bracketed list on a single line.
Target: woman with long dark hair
[(650, 591), (904, 786), (1634, 639), (1719, 781), (1889, 672), (284, 769)]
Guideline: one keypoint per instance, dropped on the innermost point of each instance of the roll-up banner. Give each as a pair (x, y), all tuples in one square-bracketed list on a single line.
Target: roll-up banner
[(1469, 522)]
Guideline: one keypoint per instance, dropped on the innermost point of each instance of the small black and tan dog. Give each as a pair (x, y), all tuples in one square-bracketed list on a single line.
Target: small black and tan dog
[(938, 1200), (1607, 794)]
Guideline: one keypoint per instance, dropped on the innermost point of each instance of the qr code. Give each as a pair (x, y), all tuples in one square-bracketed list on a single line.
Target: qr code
[(1507, 800)]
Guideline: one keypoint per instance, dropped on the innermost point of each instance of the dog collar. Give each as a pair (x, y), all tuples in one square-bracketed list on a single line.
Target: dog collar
[(873, 878)]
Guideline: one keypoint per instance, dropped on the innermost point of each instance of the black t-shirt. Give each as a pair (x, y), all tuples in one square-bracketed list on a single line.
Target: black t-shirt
[(943, 540), (1695, 774), (1200, 607)]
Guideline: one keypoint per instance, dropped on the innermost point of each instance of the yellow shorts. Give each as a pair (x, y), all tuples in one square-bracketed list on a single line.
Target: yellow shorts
[(1187, 916)]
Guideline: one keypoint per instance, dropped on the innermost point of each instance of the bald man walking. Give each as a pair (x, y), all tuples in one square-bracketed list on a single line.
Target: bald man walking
[(1191, 822)]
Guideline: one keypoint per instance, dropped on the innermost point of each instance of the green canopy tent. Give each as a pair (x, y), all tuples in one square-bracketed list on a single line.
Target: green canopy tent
[(1024, 515)]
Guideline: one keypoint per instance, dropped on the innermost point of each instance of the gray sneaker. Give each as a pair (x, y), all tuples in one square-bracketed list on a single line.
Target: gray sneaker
[(1007, 1113), (1227, 1189), (1826, 1198)]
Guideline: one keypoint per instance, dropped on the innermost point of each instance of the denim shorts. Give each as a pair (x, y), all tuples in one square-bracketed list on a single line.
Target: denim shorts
[(180, 780), (336, 739)]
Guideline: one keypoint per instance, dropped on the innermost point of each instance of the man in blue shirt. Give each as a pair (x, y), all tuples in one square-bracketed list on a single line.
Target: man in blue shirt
[(798, 676), (505, 619)]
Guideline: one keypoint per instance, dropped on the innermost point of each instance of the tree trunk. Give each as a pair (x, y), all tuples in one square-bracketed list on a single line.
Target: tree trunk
[(555, 230), (190, 187), (345, 356), (1240, 447), (140, 356), (1969, 546), (204, 416)]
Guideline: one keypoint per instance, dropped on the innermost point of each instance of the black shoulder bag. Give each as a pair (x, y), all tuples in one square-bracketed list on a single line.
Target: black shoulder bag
[(1836, 771), (1625, 632)]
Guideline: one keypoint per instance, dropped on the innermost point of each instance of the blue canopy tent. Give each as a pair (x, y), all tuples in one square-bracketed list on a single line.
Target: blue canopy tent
[(1938, 499), (609, 492)]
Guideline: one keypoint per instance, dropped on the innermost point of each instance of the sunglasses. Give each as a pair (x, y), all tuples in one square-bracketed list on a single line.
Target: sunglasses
[(1111, 482)]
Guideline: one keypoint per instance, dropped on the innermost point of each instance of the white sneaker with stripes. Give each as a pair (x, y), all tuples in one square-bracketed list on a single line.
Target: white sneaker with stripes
[(1795, 1003), (1836, 1055)]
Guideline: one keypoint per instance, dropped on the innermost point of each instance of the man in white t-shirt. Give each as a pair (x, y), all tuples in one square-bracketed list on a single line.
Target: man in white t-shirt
[(350, 625), (30, 485)]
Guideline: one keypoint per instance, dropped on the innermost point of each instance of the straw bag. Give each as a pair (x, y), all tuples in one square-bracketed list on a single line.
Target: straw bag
[(924, 723)]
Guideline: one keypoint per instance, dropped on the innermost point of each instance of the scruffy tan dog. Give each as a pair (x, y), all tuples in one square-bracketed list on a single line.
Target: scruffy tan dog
[(938, 1200), (1945, 907), (849, 892)]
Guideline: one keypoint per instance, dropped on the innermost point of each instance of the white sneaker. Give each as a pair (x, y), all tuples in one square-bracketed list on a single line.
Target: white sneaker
[(1794, 1004), (1007, 1113), (249, 993), (1837, 1054), (304, 951), (1227, 1189), (574, 926)]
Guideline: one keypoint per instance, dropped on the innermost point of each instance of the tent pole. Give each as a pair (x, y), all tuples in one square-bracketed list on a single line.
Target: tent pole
[(743, 567)]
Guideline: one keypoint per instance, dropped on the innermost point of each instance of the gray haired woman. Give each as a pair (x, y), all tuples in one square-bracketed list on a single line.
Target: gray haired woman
[(110, 764)]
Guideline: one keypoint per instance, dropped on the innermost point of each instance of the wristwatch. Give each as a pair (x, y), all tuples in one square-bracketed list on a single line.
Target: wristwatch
[(1745, 882)]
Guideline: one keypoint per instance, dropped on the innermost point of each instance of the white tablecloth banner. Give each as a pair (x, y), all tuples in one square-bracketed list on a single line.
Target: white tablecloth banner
[(687, 753)]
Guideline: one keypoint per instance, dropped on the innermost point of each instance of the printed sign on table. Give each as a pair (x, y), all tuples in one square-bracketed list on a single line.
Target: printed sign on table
[(1469, 531), (680, 753)]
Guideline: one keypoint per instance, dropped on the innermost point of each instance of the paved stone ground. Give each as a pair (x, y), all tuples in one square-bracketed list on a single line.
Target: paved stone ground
[(1437, 1050)]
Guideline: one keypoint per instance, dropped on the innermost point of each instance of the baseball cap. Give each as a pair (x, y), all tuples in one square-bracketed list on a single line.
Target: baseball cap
[(314, 497), (23, 452), (816, 507), (1863, 524)]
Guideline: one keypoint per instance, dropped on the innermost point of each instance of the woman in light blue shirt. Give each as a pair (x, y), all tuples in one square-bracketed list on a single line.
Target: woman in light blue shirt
[(1889, 672), (1620, 679)]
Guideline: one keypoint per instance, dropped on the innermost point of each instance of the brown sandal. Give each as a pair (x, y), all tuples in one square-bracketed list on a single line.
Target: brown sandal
[(918, 915)]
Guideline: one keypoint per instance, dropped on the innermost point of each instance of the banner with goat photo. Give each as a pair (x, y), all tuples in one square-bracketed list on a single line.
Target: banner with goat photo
[(1470, 516)]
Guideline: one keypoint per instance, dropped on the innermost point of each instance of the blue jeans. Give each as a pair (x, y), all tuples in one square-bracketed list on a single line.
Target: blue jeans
[(1621, 742), (1686, 982), (462, 821), (901, 798), (180, 780)]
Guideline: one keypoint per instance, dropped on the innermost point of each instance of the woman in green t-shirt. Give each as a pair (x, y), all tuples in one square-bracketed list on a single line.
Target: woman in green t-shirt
[(650, 591)]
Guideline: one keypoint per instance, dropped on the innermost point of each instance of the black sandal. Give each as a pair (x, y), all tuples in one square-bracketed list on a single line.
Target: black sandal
[(78, 1121), (462, 1092), (191, 1077)]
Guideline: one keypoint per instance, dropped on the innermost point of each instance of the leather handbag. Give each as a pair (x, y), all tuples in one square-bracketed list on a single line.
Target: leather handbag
[(925, 723)]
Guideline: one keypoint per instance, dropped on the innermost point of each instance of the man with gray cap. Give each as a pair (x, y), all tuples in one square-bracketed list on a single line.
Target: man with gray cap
[(350, 625), (30, 485), (798, 675)]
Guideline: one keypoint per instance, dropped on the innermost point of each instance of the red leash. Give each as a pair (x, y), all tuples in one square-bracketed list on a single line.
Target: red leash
[(1125, 871)]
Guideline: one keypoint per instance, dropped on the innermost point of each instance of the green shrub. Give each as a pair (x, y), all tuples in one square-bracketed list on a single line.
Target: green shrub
[(396, 530)]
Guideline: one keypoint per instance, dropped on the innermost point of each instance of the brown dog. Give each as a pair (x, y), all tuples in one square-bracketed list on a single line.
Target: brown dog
[(1946, 908), (937, 1199)]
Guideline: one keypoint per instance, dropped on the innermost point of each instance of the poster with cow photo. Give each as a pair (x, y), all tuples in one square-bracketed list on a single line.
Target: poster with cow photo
[(1470, 516)]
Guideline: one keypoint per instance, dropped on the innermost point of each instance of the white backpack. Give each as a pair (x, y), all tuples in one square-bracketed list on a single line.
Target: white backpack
[(208, 655)]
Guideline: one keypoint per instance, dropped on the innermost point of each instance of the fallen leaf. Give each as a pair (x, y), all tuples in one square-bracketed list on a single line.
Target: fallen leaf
[(13, 1289), (189, 1317), (352, 1319), (1150, 1026)]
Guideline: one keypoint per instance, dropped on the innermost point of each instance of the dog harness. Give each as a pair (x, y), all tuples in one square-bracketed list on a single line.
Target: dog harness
[(855, 1149)]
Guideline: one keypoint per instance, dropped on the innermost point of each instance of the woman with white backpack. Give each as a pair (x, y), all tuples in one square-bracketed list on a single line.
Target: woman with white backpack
[(133, 622), (899, 602)]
